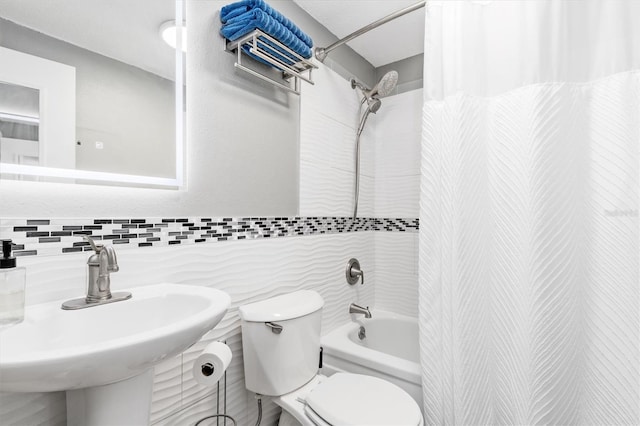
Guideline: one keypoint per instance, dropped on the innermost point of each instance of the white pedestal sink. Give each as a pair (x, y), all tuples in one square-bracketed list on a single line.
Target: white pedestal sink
[(103, 356)]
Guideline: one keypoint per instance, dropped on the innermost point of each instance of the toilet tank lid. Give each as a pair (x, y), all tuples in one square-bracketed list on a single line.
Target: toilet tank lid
[(284, 307)]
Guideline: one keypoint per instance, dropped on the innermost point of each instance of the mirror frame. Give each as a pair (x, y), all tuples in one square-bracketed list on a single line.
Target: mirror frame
[(104, 177)]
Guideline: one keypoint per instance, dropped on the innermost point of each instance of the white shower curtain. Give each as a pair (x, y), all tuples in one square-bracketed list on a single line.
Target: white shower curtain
[(529, 232)]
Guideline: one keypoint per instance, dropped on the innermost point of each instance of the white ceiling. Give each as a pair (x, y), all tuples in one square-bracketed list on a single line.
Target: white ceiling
[(391, 42), (120, 29)]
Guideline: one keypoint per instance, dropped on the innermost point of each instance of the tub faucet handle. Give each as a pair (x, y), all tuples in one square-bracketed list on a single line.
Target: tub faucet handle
[(354, 272)]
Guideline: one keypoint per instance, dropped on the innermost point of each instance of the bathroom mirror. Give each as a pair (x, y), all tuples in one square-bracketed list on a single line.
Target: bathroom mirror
[(90, 92)]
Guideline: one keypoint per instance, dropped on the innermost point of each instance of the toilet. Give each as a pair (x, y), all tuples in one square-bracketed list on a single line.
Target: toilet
[(281, 349)]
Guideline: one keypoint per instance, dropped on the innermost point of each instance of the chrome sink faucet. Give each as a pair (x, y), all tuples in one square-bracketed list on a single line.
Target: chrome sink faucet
[(357, 309), (100, 265)]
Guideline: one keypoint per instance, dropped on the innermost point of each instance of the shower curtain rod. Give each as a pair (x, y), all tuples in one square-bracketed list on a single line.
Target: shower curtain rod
[(322, 52)]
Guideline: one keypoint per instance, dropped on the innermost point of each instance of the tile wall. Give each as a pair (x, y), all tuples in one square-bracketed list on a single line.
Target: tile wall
[(32, 237)]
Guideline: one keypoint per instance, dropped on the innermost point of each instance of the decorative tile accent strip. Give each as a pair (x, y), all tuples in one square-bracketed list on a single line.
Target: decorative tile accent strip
[(56, 236)]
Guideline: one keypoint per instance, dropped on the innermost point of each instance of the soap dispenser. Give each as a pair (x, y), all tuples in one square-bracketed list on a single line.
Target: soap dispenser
[(12, 285)]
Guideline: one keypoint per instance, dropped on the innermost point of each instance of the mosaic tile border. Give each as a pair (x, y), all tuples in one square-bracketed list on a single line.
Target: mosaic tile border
[(59, 236)]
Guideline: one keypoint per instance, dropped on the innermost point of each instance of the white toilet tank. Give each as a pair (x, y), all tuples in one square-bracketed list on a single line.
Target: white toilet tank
[(281, 342)]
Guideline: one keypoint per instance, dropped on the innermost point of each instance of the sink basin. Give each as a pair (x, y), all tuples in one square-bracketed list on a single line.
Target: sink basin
[(55, 349)]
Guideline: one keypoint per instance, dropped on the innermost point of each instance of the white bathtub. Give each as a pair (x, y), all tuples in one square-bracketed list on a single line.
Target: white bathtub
[(390, 350)]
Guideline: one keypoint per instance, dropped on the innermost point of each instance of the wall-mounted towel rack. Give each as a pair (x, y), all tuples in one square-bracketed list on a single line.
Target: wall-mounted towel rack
[(261, 45)]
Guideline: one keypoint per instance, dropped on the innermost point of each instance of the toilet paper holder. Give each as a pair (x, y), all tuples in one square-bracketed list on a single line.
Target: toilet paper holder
[(207, 370)]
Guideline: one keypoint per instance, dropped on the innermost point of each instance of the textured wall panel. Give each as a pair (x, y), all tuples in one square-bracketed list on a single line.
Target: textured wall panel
[(397, 155), (396, 272), (325, 139), (329, 118), (397, 192), (29, 409), (398, 131), (529, 294), (331, 94), (329, 191), (399, 195), (390, 152), (167, 380)]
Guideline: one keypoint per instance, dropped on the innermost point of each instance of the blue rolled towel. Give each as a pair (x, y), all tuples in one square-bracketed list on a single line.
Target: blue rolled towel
[(232, 11), (243, 24)]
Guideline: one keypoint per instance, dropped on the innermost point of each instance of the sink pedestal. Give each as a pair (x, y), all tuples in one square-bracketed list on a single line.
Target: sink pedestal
[(124, 403)]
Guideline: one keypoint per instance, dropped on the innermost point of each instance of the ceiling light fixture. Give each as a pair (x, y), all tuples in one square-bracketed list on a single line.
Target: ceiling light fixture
[(169, 33)]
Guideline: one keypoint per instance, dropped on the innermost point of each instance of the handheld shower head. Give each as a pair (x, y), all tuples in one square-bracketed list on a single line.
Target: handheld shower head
[(373, 104)]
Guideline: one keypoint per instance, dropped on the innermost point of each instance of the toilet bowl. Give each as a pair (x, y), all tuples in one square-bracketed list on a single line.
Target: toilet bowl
[(281, 348)]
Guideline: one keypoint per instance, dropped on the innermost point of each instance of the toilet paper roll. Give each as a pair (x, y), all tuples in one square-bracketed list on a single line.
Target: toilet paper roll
[(211, 364)]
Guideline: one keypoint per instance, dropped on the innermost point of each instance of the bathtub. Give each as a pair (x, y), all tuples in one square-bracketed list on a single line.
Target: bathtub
[(390, 350)]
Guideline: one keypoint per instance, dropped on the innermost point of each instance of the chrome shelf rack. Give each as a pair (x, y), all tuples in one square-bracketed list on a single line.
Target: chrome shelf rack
[(292, 73)]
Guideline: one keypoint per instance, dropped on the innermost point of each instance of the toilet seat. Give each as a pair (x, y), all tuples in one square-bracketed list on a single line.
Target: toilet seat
[(350, 399), (356, 399), (314, 417)]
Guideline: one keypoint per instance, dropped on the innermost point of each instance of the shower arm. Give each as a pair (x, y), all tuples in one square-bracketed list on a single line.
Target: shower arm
[(322, 52), (355, 84)]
